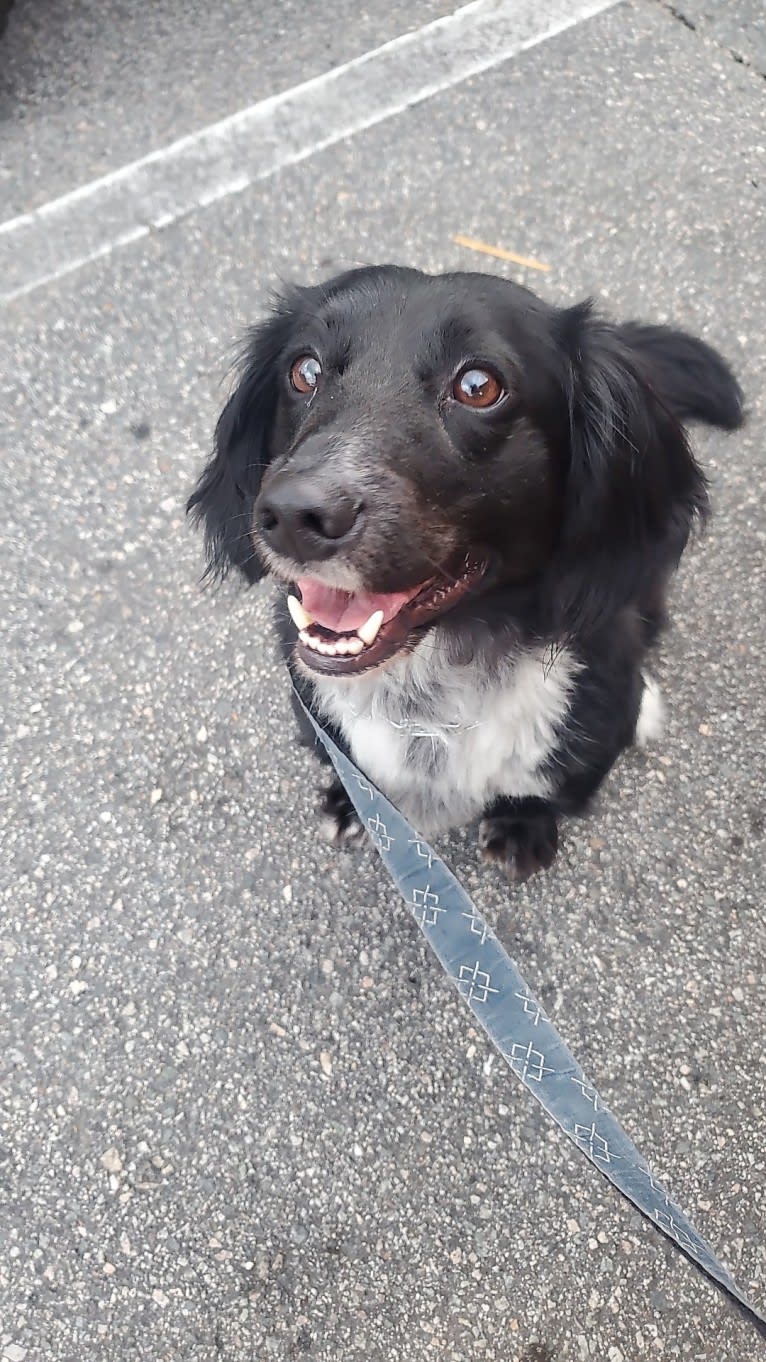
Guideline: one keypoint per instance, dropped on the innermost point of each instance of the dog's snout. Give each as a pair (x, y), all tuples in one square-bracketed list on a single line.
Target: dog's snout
[(303, 520)]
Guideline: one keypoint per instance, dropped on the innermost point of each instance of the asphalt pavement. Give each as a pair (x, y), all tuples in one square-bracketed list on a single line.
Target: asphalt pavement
[(243, 1116)]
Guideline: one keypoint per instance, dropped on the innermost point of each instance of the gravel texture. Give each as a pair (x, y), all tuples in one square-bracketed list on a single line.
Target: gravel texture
[(243, 1115)]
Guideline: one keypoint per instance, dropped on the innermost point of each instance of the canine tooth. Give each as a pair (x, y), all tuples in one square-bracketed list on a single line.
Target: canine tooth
[(305, 636), (300, 617), (370, 630)]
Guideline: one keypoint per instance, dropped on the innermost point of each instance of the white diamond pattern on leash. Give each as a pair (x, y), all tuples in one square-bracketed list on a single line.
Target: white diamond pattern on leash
[(379, 833), (531, 1007), (656, 1186), (684, 1241), (425, 853), (478, 925), (596, 1146), (426, 906), (364, 787), (588, 1093), (527, 1062), (474, 983)]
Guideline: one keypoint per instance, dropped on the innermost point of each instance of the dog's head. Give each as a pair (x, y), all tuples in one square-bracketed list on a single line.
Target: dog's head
[(401, 447)]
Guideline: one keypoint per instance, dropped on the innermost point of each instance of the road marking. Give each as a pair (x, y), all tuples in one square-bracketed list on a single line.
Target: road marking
[(499, 252), (229, 156)]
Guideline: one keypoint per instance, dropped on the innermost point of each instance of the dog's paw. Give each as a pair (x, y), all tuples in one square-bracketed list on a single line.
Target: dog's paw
[(520, 843), (339, 824)]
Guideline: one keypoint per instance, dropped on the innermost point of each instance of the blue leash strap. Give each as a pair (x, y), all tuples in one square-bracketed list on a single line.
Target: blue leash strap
[(489, 982)]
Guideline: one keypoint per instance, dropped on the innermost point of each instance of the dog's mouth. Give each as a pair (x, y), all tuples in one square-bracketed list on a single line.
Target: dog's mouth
[(343, 633)]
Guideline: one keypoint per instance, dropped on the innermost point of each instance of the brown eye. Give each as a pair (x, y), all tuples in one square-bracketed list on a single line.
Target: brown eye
[(477, 388), (304, 374)]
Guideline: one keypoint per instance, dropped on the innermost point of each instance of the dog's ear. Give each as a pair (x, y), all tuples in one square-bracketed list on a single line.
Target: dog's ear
[(223, 499), (633, 490)]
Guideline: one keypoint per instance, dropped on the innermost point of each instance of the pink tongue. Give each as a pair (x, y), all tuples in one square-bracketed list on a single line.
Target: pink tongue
[(343, 612)]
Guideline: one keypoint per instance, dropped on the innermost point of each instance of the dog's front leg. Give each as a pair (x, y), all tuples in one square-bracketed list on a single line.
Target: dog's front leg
[(519, 835)]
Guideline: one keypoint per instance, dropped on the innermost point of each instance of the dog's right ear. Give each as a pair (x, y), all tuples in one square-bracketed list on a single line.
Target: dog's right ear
[(223, 499)]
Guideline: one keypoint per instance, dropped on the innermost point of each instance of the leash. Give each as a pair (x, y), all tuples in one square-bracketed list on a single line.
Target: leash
[(489, 982)]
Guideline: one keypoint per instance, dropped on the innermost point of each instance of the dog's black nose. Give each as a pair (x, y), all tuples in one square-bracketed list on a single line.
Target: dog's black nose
[(305, 521)]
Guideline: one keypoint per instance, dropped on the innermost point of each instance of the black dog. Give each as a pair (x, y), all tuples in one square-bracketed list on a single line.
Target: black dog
[(475, 500)]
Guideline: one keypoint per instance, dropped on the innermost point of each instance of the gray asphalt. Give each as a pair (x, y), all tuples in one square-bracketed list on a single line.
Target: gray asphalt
[(89, 86), (243, 1114)]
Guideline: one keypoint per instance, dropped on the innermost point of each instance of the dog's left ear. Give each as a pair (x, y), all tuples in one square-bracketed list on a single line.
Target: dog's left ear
[(223, 498), (633, 489)]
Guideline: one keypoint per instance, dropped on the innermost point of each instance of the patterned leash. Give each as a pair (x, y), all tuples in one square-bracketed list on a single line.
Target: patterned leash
[(489, 982)]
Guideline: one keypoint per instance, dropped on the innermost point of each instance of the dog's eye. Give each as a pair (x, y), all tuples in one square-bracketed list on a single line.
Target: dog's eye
[(477, 388), (304, 374)]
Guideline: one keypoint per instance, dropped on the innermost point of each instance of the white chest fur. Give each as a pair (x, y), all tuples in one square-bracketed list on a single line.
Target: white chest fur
[(443, 741)]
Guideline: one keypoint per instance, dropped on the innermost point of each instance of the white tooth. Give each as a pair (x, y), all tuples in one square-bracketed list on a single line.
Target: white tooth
[(354, 646), (300, 617), (305, 636), (370, 630)]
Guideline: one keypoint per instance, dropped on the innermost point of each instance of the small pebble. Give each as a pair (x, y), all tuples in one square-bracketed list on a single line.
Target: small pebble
[(111, 1161)]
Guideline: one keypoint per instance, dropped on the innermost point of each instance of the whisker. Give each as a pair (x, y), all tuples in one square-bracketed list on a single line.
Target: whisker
[(239, 537), (453, 581)]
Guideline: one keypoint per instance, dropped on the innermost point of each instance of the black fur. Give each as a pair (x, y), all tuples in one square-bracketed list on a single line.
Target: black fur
[(580, 489), (519, 835)]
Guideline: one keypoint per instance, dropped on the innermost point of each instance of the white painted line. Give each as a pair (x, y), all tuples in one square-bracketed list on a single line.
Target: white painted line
[(227, 157)]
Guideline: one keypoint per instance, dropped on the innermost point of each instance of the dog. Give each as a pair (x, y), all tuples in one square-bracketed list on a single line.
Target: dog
[(475, 500)]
